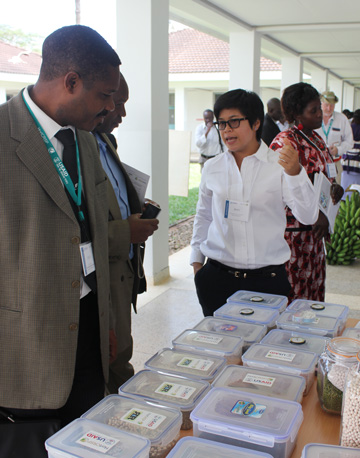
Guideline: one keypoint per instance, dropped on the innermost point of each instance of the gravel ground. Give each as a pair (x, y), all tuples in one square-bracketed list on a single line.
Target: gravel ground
[(180, 234)]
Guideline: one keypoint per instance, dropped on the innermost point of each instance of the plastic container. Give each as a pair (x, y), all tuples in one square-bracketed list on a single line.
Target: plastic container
[(211, 343), (280, 359), (309, 323), (294, 339), (259, 381), (353, 333), (250, 314), (338, 311), (251, 333), (194, 447), (334, 363), (161, 425), (88, 439), (169, 390), (350, 425), (328, 451), (248, 420), (273, 301), (186, 364)]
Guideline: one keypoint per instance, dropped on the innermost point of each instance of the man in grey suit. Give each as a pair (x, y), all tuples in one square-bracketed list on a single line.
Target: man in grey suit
[(54, 268), (127, 234)]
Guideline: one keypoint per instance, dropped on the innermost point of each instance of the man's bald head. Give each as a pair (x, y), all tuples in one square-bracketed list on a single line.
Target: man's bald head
[(274, 109)]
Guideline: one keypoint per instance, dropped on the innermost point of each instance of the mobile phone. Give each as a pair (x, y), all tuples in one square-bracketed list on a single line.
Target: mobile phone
[(151, 211)]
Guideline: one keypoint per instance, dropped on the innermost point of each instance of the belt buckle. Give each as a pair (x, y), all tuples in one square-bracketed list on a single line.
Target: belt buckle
[(237, 274)]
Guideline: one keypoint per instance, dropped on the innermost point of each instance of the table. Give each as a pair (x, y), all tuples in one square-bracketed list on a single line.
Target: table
[(318, 426)]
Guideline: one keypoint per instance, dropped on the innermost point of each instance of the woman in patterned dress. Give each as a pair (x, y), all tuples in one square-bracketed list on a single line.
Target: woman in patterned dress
[(306, 267)]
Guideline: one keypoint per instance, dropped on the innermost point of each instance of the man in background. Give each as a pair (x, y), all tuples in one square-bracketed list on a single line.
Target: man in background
[(207, 138), (270, 127), (127, 234)]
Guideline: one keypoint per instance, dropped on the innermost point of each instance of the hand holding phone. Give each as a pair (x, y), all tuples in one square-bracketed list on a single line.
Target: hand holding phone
[(151, 211)]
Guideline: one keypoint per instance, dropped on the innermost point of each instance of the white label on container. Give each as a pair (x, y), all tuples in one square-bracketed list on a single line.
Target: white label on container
[(212, 340), (97, 441), (248, 409), (280, 355), (175, 390), (197, 364), (143, 418), (259, 380)]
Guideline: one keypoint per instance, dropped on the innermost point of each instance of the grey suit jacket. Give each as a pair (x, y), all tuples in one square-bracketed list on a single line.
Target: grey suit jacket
[(40, 265)]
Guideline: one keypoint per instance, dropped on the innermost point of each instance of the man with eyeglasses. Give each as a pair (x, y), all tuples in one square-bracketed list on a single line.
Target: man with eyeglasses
[(207, 139)]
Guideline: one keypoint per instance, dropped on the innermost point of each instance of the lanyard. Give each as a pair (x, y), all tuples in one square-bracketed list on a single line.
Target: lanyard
[(59, 165), (326, 133), (307, 139)]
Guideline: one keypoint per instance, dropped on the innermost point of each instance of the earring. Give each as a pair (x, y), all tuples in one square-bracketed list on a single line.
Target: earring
[(300, 126)]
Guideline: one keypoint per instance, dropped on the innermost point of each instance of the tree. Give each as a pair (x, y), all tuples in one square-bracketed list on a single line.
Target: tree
[(16, 37)]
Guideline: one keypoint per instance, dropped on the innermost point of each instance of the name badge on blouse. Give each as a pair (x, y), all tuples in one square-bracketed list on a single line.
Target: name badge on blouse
[(331, 170), (237, 211), (87, 258)]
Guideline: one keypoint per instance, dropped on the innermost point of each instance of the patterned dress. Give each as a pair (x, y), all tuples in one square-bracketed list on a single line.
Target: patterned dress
[(306, 267)]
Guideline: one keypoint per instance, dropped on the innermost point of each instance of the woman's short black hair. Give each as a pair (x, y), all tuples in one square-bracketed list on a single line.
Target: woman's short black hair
[(247, 102), (295, 99)]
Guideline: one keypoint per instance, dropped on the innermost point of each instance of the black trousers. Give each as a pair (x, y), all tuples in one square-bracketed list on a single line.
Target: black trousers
[(214, 283), (88, 385)]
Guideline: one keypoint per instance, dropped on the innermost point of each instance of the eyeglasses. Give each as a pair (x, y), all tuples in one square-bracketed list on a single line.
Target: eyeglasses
[(233, 123)]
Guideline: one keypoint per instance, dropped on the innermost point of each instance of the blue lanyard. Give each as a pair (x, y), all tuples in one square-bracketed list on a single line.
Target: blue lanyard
[(328, 131), (59, 165)]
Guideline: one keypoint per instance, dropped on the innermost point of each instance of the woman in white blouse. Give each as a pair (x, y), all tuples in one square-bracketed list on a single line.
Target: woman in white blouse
[(240, 217)]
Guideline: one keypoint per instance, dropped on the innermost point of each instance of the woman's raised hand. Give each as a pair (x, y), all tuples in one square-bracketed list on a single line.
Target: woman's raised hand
[(289, 158)]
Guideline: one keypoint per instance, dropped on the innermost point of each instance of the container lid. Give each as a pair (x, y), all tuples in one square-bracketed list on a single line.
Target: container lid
[(254, 418), (266, 300), (259, 381), (249, 313), (165, 389), (328, 451), (353, 333), (291, 361), (185, 363), (250, 332), (308, 322), (159, 424), (205, 341), (295, 339), (344, 347), (321, 308), (85, 438), (196, 447)]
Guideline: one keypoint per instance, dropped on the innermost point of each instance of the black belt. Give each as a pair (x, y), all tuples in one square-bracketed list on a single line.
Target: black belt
[(244, 273), (207, 157), (299, 229)]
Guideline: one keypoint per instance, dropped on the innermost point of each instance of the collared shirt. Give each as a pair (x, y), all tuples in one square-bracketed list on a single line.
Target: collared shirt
[(117, 181), (210, 145), (339, 134), (51, 127), (262, 183)]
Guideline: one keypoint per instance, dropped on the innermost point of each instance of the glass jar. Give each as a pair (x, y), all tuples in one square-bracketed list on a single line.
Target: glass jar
[(334, 363), (350, 424)]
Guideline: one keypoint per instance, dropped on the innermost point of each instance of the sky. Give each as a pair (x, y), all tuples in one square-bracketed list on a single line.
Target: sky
[(44, 16)]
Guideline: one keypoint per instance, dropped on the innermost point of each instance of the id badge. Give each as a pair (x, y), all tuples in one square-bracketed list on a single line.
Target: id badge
[(331, 170), (87, 258), (237, 211)]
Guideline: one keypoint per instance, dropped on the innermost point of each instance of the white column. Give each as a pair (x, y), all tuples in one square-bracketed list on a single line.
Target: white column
[(357, 99), (245, 50), (348, 97), (2, 95), (143, 137), (180, 108), (336, 86), (292, 71), (319, 79)]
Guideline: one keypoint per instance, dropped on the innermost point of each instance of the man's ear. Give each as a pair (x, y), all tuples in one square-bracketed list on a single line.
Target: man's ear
[(72, 81)]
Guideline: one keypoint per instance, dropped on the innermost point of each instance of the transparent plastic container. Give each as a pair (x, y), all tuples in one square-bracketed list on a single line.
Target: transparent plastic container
[(210, 343), (165, 389), (334, 363), (259, 381), (280, 359), (186, 364), (328, 451), (273, 301), (260, 423), (88, 439), (308, 322), (249, 314), (161, 425), (194, 447), (338, 311), (353, 333), (350, 415), (294, 339), (251, 333)]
